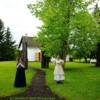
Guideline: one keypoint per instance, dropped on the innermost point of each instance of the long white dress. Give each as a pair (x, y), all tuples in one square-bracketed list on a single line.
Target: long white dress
[(58, 71)]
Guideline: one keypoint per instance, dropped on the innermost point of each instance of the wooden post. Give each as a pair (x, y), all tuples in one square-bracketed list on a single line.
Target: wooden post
[(24, 55)]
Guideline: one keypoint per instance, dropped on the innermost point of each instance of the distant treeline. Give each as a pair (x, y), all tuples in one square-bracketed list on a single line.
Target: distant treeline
[(7, 44)]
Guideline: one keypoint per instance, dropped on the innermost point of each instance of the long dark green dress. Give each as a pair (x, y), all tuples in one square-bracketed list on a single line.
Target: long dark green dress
[(20, 79)]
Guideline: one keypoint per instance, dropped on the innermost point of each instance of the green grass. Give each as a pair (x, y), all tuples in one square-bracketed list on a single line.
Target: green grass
[(35, 65), (7, 77), (82, 82)]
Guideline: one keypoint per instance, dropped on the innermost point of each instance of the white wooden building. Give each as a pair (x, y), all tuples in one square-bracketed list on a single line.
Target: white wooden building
[(30, 48), (33, 52)]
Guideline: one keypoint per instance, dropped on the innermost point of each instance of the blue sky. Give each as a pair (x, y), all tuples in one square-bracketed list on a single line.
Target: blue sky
[(17, 16)]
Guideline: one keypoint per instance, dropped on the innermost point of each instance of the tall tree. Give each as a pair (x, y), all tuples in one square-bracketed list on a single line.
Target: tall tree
[(1, 37), (97, 17), (1, 25), (84, 34), (8, 46), (58, 18)]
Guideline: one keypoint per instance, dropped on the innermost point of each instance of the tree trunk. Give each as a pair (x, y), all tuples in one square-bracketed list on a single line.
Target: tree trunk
[(85, 59), (45, 60), (25, 55), (98, 55), (63, 56)]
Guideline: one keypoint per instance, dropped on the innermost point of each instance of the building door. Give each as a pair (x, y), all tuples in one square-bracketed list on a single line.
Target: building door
[(37, 56)]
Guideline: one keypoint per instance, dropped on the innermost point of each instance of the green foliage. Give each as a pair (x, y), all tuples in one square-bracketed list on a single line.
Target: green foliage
[(1, 36), (65, 23), (7, 45), (52, 34), (84, 35), (1, 25), (96, 15)]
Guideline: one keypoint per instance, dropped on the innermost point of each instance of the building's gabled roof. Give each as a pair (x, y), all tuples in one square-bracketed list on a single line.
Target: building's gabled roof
[(31, 41)]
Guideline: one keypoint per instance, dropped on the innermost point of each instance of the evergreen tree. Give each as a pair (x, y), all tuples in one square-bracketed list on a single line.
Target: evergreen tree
[(8, 46), (1, 37), (1, 25)]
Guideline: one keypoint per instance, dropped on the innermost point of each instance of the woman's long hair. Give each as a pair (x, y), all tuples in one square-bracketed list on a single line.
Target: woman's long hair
[(20, 60)]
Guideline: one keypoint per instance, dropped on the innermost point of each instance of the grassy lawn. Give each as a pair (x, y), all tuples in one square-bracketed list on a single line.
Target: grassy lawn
[(82, 82), (7, 77)]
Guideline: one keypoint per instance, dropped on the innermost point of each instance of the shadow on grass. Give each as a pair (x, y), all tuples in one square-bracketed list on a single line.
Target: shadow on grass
[(73, 69), (77, 69)]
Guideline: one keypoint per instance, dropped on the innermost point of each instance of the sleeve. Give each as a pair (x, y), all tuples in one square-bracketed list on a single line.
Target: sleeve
[(17, 65), (53, 60), (20, 65)]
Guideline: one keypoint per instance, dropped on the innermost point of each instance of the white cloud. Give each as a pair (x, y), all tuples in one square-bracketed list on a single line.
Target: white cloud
[(17, 16)]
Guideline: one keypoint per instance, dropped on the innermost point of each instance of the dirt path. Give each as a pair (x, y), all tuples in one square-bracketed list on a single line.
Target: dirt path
[(38, 90)]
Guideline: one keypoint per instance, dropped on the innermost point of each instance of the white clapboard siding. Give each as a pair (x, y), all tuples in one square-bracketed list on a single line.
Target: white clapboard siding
[(31, 53)]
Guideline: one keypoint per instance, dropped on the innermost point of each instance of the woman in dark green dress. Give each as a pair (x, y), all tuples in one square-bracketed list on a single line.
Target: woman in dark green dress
[(20, 79)]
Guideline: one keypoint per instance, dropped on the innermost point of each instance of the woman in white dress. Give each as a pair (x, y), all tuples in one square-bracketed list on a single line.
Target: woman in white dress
[(58, 71)]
